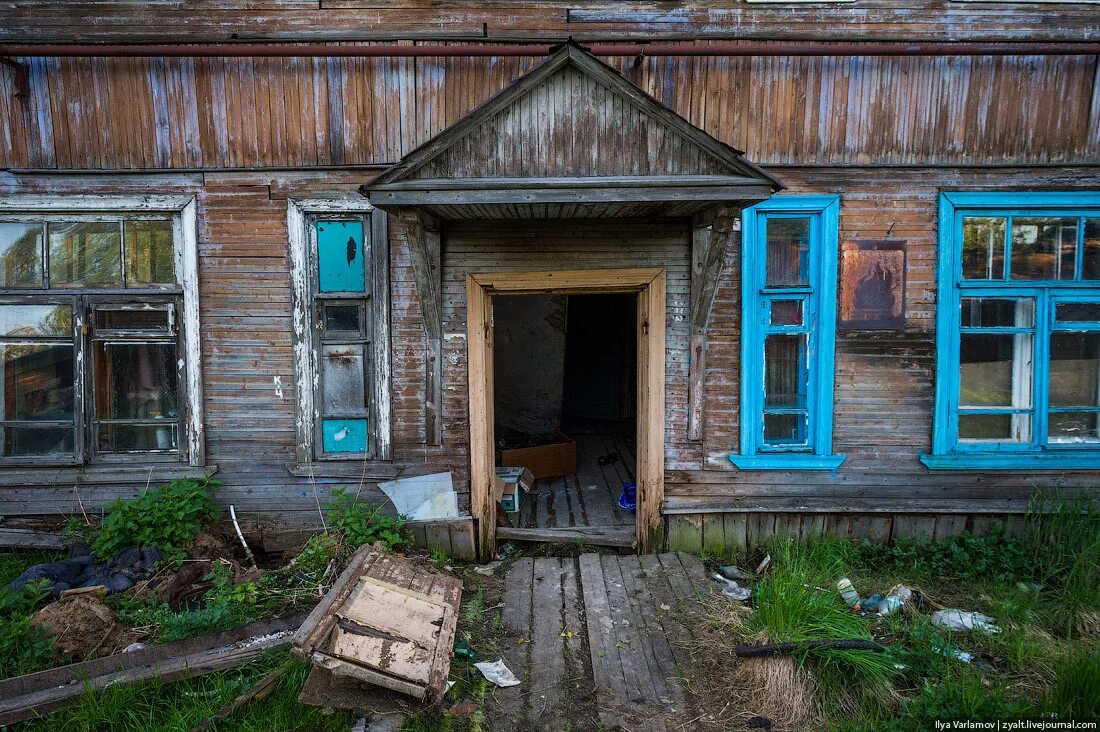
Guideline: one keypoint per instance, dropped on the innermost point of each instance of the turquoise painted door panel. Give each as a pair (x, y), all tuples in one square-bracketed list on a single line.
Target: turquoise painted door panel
[(340, 256), (344, 435)]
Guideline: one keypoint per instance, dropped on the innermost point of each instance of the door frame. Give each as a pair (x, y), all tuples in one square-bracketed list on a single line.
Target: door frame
[(649, 284)]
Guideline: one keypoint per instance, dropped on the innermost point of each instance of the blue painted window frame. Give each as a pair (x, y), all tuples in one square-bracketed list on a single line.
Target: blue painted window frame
[(818, 324), (948, 453)]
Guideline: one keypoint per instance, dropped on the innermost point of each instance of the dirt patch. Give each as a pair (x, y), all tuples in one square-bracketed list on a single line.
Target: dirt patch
[(84, 627), (211, 545)]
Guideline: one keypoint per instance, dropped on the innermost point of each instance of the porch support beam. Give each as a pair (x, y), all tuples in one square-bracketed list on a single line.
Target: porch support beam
[(423, 237), (710, 238)]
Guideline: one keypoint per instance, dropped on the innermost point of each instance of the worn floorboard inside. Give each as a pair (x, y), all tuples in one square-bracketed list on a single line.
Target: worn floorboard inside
[(595, 640), (583, 506)]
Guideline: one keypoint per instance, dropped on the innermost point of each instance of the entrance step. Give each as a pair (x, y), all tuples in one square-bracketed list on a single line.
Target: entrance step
[(622, 536)]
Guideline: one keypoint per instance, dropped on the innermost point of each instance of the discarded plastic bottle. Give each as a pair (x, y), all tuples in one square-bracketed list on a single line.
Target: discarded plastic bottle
[(889, 605), (848, 591)]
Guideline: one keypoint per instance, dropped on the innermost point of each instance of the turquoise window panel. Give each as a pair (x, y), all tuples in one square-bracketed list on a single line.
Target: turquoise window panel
[(788, 279), (340, 256), (1017, 361), (344, 435)]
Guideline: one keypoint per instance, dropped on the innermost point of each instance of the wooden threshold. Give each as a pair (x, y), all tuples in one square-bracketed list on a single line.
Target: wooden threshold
[(594, 535)]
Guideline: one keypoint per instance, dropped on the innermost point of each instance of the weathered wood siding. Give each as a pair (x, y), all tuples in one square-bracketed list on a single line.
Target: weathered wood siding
[(290, 113), (220, 20)]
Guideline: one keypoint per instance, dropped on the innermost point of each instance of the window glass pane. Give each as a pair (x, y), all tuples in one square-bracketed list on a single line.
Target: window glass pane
[(983, 254), (1074, 427), (340, 256), (36, 321), (786, 312), (1077, 312), (27, 441), (36, 382), (788, 256), (343, 318), (991, 312), (150, 254), (20, 255), (1037, 247), (150, 318), (343, 380), (785, 429), (996, 370), (999, 427), (137, 437), (1074, 360), (135, 381), (1091, 260), (786, 375), (344, 435), (85, 254)]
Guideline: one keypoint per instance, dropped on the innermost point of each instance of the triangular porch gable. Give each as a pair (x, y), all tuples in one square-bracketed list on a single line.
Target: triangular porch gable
[(572, 117)]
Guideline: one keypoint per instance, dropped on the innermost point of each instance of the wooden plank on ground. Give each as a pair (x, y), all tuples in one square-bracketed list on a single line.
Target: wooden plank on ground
[(659, 654), (545, 710), (593, 535), (574, 629), (607, 670), (627, 644), (24, 697), (516, 619)]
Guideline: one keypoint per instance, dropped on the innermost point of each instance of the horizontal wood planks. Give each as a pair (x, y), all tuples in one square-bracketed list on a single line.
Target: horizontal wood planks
[(186, 113), (726, 534)]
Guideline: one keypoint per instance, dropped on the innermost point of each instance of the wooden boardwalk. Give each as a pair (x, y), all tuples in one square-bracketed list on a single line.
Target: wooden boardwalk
[(596, 640)]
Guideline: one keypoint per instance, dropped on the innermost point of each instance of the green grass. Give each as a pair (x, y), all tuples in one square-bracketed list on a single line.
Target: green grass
[(160, 707)]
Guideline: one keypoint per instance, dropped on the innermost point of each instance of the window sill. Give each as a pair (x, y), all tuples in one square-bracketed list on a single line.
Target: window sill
[(1082, 460), (786, 461), (351, 468), (31, 475)]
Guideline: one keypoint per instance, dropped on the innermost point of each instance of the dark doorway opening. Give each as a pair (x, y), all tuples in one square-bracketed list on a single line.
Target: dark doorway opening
[(565, 384)]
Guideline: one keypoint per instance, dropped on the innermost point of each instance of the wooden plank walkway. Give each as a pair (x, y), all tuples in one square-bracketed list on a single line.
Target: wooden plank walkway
[(596, 640)]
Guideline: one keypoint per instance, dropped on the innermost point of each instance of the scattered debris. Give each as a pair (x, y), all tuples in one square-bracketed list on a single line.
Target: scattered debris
[(497, 673), (763, 565), (733, 572), (964, 620), (240, 536), (423, 497), (81, 570), (259, 690), (385, 622), (848, 592), (83, 627), (732, 589)]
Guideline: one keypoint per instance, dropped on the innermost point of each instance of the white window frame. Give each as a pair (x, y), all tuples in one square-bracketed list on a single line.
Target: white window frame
[(301, 213), (183, 211)]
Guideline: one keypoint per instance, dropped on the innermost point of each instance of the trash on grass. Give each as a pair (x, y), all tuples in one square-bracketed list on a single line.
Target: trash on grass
[(890, 605), (732, 589), (848, 592), (963, 620), (733, 572), (497, 673), (763, 564)]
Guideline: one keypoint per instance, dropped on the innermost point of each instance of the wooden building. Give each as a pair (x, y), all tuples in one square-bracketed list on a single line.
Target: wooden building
[(788, 268)]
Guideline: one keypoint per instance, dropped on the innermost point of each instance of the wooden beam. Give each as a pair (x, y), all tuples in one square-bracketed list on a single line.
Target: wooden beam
[(650, 467), (709, 242), (479, 342), (423, 237)]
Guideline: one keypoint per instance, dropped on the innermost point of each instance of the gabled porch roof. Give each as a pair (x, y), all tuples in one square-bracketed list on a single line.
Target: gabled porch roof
[(572, 138)]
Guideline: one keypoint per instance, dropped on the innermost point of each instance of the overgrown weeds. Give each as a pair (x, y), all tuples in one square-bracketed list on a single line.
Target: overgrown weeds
[(168, 518), (24, 648), (1041, 586)]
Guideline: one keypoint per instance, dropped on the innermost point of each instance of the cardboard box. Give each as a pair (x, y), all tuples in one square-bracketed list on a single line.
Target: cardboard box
[(511, 484), (545, 461)]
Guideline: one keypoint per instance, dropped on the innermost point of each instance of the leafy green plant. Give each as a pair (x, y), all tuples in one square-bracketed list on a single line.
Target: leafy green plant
[(169, 518), (364, 523), (24, 648)]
